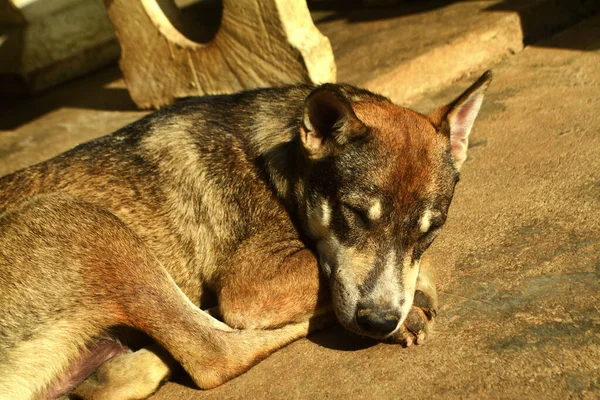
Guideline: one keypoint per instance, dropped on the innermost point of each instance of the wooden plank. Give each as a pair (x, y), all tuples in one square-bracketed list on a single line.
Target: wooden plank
[(259, 43)]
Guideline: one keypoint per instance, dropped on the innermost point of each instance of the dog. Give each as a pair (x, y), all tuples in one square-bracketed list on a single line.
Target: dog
[(213, 232)]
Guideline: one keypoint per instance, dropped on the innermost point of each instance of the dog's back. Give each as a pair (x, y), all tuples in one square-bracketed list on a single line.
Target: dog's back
[(185, 179), (190, 179)]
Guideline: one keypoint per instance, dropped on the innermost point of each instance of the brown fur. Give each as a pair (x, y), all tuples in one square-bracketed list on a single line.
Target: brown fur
[(411, 156), (211, 199)]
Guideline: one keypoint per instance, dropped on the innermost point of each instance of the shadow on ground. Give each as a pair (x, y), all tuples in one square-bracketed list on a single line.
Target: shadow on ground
[(90, 92), (337, 338)]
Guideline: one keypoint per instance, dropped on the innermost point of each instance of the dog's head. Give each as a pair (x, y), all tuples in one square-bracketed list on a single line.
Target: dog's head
[(379, 181)]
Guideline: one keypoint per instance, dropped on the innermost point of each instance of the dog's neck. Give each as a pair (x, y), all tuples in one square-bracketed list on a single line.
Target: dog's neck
[(280, 156)]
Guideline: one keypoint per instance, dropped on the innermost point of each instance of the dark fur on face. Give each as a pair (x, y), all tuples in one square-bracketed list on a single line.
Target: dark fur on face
[(378, 187)]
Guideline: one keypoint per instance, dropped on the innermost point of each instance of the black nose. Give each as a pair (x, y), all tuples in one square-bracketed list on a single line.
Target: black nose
[(377, 321)]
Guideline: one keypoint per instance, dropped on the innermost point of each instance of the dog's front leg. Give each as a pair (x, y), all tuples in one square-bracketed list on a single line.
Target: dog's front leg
[(420, 320), (271, 284), (139, 374), (270, 297)]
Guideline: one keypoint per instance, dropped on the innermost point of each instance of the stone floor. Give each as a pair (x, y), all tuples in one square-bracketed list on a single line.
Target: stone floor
[(518, 261)]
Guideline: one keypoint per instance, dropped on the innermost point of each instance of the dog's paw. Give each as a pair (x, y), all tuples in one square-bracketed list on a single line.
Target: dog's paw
[(135, 375), (419, 322)]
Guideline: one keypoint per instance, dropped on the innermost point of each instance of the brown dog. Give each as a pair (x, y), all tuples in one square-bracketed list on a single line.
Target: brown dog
[(235, 198)]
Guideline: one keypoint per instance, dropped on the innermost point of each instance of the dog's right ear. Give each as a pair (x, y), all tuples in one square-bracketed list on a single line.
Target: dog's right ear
[(328, 121), (456, 119)]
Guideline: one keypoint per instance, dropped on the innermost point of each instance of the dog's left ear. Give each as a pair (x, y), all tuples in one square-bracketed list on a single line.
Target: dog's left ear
[(456, 119), (328, 121)]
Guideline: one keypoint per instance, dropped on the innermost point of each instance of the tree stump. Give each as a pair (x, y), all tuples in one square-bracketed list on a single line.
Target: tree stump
[(259, 43)]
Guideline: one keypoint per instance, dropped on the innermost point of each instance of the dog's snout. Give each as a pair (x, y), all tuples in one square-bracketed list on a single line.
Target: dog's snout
[(380, 322)]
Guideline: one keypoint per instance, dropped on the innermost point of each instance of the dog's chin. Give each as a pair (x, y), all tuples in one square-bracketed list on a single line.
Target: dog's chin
[(353, 327)]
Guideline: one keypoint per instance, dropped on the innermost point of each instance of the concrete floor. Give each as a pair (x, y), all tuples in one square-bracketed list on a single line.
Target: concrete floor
[(519, 259)]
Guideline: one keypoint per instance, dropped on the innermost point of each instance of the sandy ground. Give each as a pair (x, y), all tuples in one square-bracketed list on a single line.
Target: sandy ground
[(518, 261)]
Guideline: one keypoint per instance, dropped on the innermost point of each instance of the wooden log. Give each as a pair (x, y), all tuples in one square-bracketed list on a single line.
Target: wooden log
[(259, 43)]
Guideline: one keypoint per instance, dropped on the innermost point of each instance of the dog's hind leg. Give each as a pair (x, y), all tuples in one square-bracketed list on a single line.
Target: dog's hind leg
[(209, 351), (70, 271), (140, 374), (49, 315)]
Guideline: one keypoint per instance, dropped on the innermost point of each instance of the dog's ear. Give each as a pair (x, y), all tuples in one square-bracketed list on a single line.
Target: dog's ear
[(328, 121), (456, 119)]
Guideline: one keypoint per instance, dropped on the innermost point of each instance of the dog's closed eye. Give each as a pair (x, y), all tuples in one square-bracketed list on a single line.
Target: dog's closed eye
[(356, 213), (430, 220), (426, 238)]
